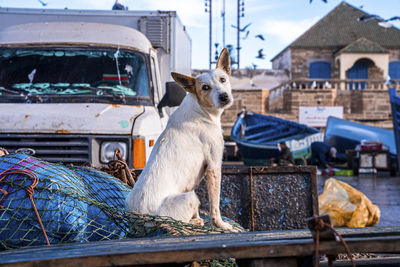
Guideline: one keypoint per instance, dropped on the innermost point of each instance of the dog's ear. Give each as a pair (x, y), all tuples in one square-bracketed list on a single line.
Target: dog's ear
[(187, 82), (224, 61)]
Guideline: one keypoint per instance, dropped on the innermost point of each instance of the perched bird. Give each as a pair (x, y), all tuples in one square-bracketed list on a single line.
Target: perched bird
[(42, 2), (325, 1), (260, 36), (118, 6), (328, 85), (254, 65), (260, 54), (314, 84), (247, 35), (242, 29)]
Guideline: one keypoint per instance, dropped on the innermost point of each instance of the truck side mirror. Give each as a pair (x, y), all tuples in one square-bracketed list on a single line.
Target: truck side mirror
[(173, 96)]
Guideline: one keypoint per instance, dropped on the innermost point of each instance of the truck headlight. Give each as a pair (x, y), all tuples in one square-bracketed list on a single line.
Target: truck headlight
[(108, 149)]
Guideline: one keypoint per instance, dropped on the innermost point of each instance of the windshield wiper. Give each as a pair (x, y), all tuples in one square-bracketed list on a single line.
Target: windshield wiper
[(16, 92)]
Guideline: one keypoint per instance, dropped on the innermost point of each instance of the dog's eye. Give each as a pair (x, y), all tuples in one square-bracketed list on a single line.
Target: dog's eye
[(206, 87), (222, 79)]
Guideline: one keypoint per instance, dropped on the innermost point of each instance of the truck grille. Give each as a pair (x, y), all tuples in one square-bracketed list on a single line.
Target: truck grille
[(53, 148)]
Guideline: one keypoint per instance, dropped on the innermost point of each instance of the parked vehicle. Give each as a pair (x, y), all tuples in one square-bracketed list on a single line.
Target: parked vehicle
[(73, 92), (258, 137)]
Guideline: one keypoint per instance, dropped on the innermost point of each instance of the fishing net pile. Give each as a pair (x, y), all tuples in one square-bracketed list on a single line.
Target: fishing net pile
[(42, 201)]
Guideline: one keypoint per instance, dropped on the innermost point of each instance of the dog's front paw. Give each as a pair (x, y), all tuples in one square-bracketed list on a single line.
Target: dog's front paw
[(223, 225), (197, 221)]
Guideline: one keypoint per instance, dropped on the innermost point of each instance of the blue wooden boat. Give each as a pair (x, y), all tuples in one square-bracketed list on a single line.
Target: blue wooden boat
[(345, 135), (258, 136)]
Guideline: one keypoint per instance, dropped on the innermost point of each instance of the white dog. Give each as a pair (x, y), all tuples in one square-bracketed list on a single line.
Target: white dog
[(189, 149)]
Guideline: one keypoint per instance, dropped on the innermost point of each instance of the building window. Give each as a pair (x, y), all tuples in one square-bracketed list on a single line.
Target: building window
[(320, 70), (394, 70)]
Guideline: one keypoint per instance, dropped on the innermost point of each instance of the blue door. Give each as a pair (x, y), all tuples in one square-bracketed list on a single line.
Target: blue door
[(394, 70), (320, 70), (358, 71)]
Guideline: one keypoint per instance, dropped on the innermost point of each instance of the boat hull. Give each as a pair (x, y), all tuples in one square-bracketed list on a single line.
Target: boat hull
[(258, 136)]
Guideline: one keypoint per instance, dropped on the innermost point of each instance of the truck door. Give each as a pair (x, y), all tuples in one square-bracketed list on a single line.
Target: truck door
[(158, 88)]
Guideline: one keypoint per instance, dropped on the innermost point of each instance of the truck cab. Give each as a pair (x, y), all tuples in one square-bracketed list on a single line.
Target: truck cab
[(74, 92)]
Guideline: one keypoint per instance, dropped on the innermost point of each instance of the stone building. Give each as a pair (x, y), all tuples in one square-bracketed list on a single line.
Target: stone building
[(339, 61), (341, 47)]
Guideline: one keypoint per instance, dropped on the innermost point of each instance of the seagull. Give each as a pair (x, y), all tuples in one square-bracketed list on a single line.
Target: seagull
[(254, 65), (260, 54), (260, 36), (328, 85), (371, 17), (382, 22), (247, 35), (42, 2), (241, 29), (314, 84), (385, 24)]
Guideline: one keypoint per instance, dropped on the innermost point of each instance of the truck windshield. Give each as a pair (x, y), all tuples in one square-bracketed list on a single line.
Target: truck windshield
[(73, 72)]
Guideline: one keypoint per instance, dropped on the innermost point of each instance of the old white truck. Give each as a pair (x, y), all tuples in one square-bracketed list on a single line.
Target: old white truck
[(73, 92)]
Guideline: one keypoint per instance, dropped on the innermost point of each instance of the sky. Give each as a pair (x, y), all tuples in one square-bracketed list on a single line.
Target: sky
[(279, 21)]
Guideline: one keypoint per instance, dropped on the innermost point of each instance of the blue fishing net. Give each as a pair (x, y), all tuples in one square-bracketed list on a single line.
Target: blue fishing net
[(74, 204)]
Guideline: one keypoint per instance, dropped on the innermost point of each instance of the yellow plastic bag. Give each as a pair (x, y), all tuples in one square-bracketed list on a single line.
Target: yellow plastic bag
[(346, 206)]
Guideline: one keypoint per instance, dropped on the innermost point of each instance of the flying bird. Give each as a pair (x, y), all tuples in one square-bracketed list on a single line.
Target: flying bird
[(371, 17), (366, 18), (382, 22), (325, 1), (254, 65), (42, 2), (260, 54), (242, 29), (247, 35), (260, 36)]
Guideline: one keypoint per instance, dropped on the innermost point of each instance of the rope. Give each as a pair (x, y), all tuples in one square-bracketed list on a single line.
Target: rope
[(29, 192), (320, 226)]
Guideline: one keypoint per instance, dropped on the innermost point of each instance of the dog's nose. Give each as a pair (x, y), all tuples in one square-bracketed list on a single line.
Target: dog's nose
[(223, 98)]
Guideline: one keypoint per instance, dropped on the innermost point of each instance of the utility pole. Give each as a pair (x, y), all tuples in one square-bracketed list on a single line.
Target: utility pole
[(240, 13), (223, 23), (238, 35), (208, 8)]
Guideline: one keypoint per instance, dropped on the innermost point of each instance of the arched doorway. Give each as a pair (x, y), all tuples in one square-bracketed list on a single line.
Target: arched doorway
[(363, 68)]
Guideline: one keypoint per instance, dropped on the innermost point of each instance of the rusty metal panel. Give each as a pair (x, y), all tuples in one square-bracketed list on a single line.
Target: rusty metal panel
[(267, 198)]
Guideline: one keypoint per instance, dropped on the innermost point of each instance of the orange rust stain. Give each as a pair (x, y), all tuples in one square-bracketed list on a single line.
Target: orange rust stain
[(63, 131), (115, 105), (133, 118), (97, 115), (27, 116)]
